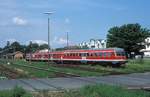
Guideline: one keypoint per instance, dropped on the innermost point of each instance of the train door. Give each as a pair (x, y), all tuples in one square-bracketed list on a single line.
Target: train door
[(83, 56)]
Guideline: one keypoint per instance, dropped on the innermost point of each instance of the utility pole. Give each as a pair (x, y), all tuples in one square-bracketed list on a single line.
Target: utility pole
[(67, 41), (49, 44)]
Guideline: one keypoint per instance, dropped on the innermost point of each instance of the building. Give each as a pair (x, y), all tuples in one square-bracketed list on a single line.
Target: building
[(15, 55), (146, 51), (94, 43)]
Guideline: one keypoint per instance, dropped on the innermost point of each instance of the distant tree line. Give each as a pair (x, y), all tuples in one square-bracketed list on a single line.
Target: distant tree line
[(16, 46)]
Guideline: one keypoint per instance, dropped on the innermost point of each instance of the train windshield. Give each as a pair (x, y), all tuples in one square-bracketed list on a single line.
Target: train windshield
[(120, 52)]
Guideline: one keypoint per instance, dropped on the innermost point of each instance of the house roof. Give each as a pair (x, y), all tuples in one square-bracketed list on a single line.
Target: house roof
[(11, 54)]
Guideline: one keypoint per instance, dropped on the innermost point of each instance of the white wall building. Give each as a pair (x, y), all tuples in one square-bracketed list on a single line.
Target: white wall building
[(94, 43), (147, 47)]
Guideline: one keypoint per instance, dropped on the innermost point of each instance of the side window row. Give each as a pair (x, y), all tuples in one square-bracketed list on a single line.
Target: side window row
[(91, 54)]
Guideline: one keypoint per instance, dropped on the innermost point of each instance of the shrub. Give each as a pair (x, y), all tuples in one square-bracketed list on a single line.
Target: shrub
[(16, 92)]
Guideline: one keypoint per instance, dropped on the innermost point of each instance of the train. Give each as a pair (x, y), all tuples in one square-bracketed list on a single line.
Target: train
[(108, 56)]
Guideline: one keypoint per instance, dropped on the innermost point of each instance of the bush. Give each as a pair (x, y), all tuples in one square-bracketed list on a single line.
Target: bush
[(16, 92)]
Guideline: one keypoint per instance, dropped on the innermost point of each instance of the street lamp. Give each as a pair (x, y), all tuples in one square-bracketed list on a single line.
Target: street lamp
[(49, 45), (67, 41)]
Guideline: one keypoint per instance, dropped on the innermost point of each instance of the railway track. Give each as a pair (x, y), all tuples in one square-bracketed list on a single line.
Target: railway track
[(75, 67), (8, 72), (92, 69), (57, 72)]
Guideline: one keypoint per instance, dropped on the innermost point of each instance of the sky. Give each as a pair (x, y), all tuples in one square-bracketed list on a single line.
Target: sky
[(24, 20)]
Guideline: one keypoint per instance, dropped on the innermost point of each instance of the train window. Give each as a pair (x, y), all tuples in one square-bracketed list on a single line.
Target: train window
[(87, 54), (123, 54), (104, 54), (109, 54), (70, 54), (92, 54), (112, 53), (77, 54), (118, 53), (96, 54), (100, 54), (73, 54), (80, 54)]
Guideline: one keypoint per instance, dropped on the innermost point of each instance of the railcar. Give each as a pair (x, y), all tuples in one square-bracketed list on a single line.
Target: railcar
[(113, 56)]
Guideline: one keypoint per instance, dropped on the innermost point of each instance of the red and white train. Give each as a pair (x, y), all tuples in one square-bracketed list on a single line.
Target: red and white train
[(114, 56)]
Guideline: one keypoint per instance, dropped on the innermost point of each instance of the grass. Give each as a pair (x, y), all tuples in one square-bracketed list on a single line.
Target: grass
[(16, 92), (106, 91), (98, 90), (42, 74), (67, 70), (133, 66)]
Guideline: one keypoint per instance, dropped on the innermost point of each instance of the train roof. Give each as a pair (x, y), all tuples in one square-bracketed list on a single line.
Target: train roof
[(97, 49), (83, 50)]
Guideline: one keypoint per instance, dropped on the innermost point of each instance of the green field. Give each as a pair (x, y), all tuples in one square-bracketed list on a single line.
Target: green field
[(133, 66)]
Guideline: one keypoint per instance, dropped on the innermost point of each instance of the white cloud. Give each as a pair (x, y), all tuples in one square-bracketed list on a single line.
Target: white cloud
[(40, 42), (19, 21), (60, 40)]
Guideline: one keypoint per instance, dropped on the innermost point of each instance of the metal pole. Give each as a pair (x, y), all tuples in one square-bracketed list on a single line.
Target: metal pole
[(67, 41), (49, 45), (49, 48)]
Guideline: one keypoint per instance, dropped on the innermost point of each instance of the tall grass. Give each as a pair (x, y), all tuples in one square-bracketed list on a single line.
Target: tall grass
[(16, 92), (106, 91)]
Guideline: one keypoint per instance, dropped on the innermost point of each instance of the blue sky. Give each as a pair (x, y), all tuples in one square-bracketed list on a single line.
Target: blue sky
[(24, 20)]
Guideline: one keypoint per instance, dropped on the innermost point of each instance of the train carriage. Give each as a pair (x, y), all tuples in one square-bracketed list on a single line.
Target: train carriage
[(114, 56)]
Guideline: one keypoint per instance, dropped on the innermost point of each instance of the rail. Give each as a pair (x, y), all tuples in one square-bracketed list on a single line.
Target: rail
[(57, 72)]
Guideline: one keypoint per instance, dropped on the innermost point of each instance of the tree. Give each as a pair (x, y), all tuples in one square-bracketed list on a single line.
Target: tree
[(7, 48), (8, 43), (16, 46), (43, 46), (32, 47), (128, 36)]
